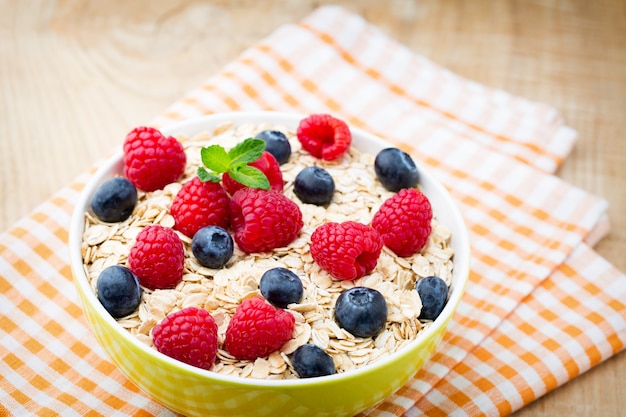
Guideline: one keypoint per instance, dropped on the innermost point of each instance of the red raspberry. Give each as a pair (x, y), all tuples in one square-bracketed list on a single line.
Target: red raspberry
[(268, 165), (263, 220), (188, 335), (151, 160), (258, 329), (347, 250), (404, 221), (200, 204), (324, 136), (157, 257)]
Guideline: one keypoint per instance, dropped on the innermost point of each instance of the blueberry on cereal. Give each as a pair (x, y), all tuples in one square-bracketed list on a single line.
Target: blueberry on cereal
[(118, 290), (212, 246), (314, 185), (395, 169), (115, 200), (434, 292), (311, 361), (277, 144), (281, 287), (361, 311)]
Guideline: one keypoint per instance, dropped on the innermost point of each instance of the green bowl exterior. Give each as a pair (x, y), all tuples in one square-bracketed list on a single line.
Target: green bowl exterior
[(195, 392)]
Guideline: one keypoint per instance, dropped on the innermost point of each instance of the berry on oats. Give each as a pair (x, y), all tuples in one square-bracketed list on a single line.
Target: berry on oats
[(310, 361), (314, 185), (188, 335), (324, 136), (403, 221), (263, 220), (151, 160), (115, 200), (258, 329), (395, 169), (200, 204), (212, 246), (281, 287), (277, 144), (267, 164), (433, 292), (118, 290), (157, 257), (361, 311), (347, 250)]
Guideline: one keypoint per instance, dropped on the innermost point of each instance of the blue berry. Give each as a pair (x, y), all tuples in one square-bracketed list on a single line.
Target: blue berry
[(395, 169), (277, 144), (212, 246), (310, 361), (314, 185), (434, 292), (361, 311), (115, 200), (118, 290), (281, 287)]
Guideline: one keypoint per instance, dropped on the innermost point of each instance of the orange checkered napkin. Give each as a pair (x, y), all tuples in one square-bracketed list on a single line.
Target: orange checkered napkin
[(541, 306)]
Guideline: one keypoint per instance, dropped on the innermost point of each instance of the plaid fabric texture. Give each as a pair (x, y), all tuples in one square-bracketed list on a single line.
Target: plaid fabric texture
[(541, 306)]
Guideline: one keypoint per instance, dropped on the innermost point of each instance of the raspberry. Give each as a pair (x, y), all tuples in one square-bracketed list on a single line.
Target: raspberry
[(157, 257), (188, 335), (268, 165), (151, 160), (263, 220), (346, 250), (324, 136), (404, 221), (258, 329), (200, 204)]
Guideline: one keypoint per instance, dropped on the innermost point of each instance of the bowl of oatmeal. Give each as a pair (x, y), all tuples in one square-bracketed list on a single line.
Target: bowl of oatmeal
[(366, 368)]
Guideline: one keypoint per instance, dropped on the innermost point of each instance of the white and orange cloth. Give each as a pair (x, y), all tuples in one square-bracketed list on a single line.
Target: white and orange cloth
[(541, 306)]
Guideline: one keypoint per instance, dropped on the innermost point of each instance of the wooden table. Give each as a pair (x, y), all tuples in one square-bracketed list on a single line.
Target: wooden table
[(76, 75)]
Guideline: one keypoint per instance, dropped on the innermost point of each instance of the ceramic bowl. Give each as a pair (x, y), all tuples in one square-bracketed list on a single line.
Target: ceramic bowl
[(197, 392)]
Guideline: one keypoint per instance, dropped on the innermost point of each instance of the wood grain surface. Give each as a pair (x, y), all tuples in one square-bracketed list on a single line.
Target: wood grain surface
[(76, 76)]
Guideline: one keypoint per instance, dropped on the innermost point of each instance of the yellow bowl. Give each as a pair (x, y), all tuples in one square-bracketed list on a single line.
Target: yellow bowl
[(197, 392)]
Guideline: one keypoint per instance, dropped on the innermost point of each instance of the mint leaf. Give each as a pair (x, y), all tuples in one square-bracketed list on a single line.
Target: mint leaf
[(206, 176), (215, 158), (250, 176), (247, 151)]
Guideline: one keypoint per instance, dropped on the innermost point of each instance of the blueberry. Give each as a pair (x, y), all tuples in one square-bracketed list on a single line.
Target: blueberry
[(314, 185), (281, 287), (434, 292), (118, 290), (115, 200), (310, 361), (212, 246), (361, 311), (277, 144), (395, 169)]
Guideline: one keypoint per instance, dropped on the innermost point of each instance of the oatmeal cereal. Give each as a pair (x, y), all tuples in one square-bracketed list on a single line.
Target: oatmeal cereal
[(358, 195)]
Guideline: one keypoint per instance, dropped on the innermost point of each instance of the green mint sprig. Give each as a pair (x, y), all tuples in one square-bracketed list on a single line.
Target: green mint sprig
[(217, 160)]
